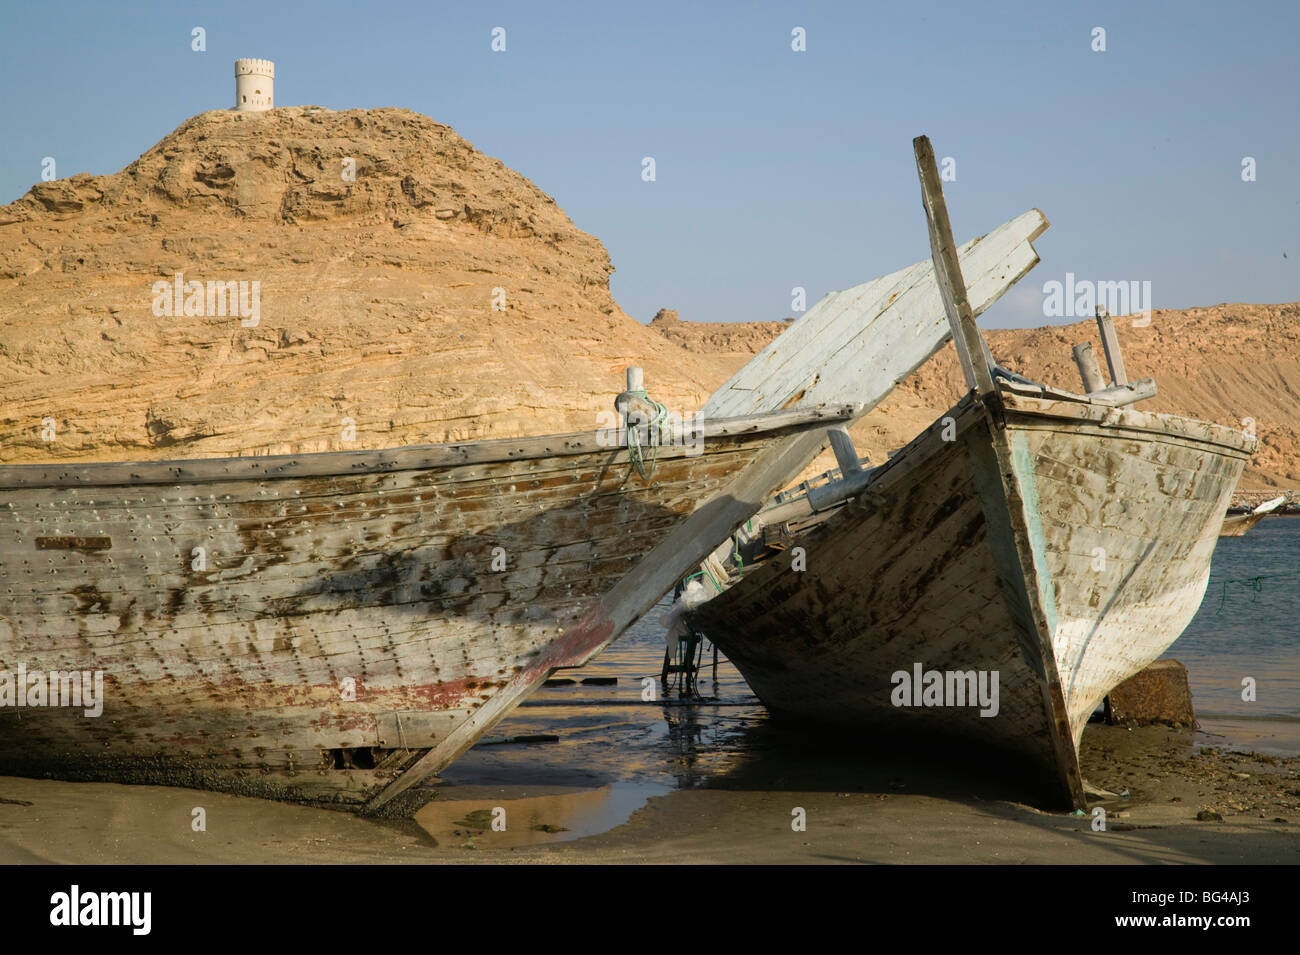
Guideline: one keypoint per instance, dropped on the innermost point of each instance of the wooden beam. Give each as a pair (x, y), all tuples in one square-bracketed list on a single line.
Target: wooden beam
[(855, 345), (686, 545), (947, 269), (409, 458), (1110, 341), (1114, 396), (1089, 370)]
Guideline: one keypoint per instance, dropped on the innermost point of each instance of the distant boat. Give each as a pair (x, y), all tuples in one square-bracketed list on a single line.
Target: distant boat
[(993, 580), (1236, 525)]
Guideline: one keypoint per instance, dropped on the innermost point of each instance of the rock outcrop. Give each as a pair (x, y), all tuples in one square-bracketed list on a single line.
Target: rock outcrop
[(408, 289), (733, 342)]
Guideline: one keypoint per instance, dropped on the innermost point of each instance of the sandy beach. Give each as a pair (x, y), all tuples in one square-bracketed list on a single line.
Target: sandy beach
[(891, 811)]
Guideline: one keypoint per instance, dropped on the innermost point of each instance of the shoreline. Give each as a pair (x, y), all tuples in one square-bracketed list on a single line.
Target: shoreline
[(883, 811)]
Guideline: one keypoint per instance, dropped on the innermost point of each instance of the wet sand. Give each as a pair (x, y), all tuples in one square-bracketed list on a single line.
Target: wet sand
[(709, 781), (885, 810)]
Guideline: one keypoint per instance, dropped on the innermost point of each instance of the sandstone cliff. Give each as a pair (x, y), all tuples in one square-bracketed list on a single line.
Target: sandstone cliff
[(375, 293)]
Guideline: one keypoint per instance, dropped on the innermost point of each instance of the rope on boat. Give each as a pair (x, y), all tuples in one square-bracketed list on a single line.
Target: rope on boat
[(704, 572), (735, 546), (634, 452)]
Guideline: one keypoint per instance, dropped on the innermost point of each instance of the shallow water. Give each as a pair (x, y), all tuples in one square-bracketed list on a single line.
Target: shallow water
[(615, 750), (1241, 632), (611, 741)]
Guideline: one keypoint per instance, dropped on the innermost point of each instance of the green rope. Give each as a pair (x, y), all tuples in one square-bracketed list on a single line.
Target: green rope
[(735, 544), (705, 572), (634, 451), (1254, 583), (713, 580)]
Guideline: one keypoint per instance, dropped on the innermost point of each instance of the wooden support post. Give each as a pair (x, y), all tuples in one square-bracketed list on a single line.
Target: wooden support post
[(943, 250), (1089, 370), (629, 404), (1110, 342)]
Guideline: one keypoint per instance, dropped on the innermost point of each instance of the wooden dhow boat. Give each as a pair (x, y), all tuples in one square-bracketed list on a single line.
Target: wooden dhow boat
[(337, 628), (333, 628), (997, 577)]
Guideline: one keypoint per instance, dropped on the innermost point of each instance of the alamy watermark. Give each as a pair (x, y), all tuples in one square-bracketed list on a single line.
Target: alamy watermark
[(215, 299), (130, 909), (923, 687), (75, 688), (1080, 298)]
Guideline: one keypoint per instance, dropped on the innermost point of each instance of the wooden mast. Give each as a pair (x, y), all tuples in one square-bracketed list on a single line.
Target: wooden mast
[(1010, 519), (975, 364)]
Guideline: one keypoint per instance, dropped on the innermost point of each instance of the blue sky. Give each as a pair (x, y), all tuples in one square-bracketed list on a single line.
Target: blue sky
[(774, 168)]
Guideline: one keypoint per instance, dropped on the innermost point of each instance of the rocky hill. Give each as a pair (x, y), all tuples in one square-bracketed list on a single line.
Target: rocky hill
[(408, 289), (732, 342), (1227, 364)]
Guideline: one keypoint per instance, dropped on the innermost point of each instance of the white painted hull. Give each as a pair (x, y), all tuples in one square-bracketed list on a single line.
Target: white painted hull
[(1061, 544)]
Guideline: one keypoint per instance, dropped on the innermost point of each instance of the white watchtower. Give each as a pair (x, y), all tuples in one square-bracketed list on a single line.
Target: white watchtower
[(254, 85)]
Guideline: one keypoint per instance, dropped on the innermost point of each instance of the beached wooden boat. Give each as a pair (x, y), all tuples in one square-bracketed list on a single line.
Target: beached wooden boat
[(1033, 544), (332, 628), (1061, 544), (1236, 525)]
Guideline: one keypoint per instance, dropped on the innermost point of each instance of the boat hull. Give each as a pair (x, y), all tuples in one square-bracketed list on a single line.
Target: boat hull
[(313, 627), (1236, 525), (1061, 546)]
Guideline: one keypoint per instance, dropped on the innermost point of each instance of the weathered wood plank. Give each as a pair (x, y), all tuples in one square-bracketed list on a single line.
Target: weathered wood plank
[(858, 344), (1089, 370), (430, 457)]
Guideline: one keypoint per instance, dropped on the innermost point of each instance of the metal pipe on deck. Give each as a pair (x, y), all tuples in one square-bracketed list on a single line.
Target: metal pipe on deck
[(1089, 370)]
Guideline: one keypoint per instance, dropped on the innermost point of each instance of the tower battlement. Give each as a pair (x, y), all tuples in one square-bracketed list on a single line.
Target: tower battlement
[(254, 85)]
